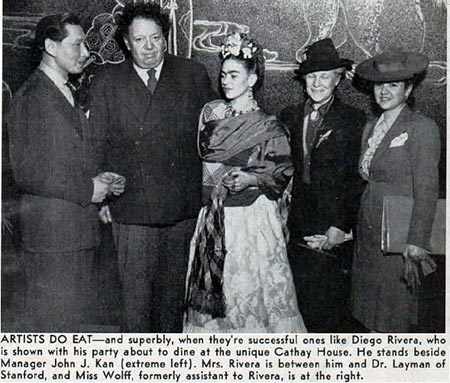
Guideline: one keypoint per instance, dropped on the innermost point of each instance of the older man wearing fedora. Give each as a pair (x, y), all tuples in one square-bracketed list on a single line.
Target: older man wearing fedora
[(325, 140)]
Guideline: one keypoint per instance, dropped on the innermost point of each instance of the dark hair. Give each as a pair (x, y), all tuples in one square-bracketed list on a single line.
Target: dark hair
[(140, 10), (53, 27), (256, 65)]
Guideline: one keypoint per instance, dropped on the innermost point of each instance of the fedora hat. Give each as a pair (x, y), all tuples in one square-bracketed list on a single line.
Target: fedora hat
[(321, 55), (392, 65)]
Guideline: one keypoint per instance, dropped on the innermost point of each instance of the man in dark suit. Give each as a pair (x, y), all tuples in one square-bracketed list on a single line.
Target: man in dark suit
[(145, 110), (55, 167), (325, 139)]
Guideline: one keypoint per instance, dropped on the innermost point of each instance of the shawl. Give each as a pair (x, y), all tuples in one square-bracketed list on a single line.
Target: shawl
[(220, 141)]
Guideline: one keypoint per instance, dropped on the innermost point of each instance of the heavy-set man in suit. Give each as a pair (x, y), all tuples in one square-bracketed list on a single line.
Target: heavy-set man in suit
[(55, 167), (146, 111), (325, 140)]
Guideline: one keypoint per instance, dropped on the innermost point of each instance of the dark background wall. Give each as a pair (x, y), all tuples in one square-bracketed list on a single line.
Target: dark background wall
[(359, 28)]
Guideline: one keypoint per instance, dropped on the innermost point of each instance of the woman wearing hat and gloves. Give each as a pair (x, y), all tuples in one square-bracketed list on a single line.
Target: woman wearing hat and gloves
[(325, 140), (399, 156)]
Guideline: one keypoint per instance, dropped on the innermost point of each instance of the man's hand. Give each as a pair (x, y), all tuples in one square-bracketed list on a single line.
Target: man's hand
[(104, 214), (335, 237), (116, 182), (101, 189)]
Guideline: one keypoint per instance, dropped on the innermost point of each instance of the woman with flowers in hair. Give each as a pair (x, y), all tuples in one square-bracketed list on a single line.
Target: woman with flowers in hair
[(239, 279)]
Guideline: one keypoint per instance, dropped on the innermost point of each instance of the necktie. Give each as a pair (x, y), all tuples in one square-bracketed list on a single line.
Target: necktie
[(74, 92), (311, 130), (151, 82), (315, 112), (79, 108), (312, 125)]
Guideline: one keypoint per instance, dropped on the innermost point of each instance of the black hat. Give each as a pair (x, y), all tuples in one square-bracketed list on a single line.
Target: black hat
[(393, 65), (321, 55)]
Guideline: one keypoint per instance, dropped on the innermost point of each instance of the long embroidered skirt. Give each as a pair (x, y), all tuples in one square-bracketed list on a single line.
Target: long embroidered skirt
[(258, 284)]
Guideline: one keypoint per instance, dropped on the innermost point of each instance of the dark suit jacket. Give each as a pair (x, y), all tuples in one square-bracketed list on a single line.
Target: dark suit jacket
[(53, 164), (408, 168), (331, 198), (151, 139)]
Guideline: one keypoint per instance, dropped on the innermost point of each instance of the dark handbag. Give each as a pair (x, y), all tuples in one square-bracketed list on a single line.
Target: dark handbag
[(397, 211)]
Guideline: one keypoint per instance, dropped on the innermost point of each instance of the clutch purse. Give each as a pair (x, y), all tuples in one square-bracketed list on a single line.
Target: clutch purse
[(397, 211)]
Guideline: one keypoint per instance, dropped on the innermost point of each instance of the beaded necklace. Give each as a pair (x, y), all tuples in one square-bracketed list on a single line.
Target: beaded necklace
[(250, 106)]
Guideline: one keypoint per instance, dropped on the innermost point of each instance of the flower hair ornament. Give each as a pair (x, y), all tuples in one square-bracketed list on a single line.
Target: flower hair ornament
[(239, 45)]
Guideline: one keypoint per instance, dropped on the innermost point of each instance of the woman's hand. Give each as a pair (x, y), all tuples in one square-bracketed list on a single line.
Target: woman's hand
[(415, 253), (417, 263), (335, 236), (237, 180)]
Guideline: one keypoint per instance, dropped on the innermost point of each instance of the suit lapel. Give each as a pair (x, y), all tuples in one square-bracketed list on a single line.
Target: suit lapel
[(297, 134), (136, 96), (61, 103), (367, 133), (396, 129), (168, 84), (332, 124), (333, 118), (167, 80)]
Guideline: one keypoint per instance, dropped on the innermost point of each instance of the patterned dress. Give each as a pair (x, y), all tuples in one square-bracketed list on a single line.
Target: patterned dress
[(256, 280)]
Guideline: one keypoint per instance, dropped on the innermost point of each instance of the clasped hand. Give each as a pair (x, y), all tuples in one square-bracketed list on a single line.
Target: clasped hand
[(107, 183), (237, 180), (327, 241)]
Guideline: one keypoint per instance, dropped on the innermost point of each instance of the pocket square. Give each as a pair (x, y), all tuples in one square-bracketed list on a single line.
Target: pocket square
[(399, 140)]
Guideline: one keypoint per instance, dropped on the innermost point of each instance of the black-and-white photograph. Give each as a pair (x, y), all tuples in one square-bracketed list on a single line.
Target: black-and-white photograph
[(209, 166)]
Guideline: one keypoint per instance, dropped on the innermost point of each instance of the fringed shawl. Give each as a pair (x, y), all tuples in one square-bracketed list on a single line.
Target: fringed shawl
[(219, 141)]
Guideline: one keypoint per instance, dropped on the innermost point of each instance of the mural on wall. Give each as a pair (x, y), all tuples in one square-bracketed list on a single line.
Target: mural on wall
[(365, 27), (362, 25), (359, 28)]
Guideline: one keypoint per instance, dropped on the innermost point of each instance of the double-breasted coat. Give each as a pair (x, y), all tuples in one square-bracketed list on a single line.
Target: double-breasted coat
[(151, 139)]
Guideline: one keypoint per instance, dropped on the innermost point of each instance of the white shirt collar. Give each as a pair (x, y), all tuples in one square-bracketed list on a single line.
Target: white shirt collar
[(142, 73), (59, 80), (53, 74)]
